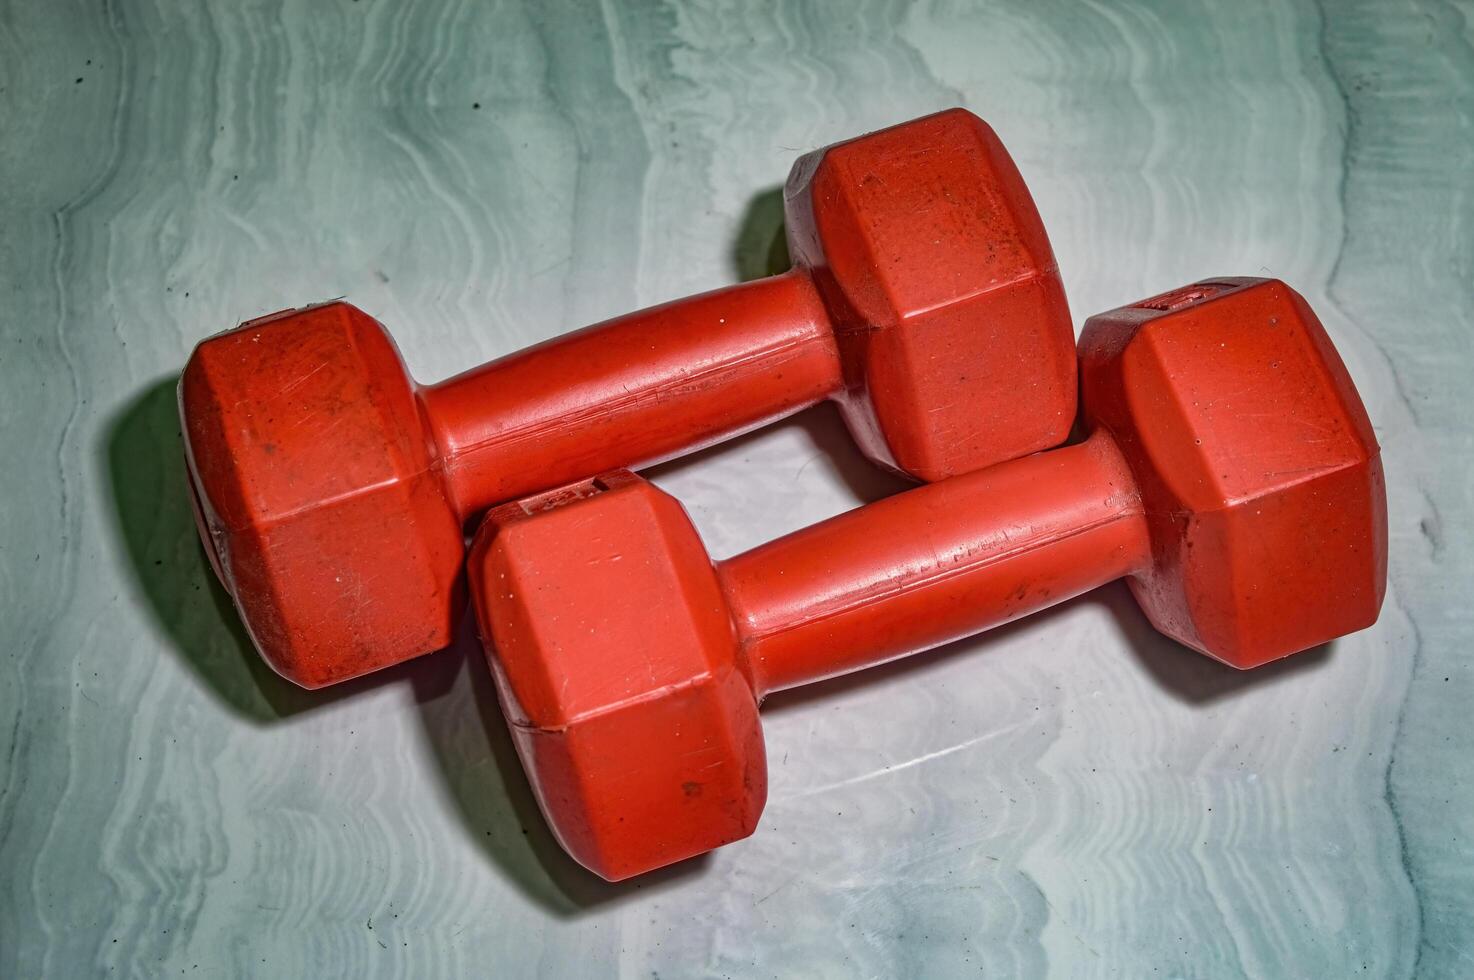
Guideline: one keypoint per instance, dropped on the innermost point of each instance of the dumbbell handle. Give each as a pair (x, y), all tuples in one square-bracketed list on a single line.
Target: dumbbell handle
[(634, 390), (936, 563)]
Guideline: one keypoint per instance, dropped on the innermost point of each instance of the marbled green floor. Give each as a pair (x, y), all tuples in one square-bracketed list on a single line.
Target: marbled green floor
[(1070, 796)]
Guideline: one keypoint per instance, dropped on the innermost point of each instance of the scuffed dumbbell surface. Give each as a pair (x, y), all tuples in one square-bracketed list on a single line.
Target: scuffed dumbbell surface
[(332, 489), (1230, 474)]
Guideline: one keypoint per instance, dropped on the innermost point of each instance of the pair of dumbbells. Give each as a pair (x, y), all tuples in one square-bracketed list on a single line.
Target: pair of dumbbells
[(1230, 473)]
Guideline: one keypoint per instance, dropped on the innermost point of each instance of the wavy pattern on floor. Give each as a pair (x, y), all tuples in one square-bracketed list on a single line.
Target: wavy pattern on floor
[(1072, 795)]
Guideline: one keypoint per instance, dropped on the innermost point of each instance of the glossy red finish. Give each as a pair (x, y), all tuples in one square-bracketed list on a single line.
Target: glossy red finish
[(659, 728), (1256, 462), (951, 318), (331, 488), (633, 390), (318, 493), (935, 564), (1230, 474)]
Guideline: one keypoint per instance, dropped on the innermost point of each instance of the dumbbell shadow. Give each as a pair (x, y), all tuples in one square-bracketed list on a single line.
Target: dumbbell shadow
[(153, 520), (761, 246), (760, 249), (1180, 673), (464, 726), (474, 754), (484, 779), (154, 524), (491, 796), (944, 339), (489, 793)]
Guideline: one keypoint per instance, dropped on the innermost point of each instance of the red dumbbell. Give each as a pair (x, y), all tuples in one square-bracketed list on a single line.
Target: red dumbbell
[(1231, 475), (332, 491)]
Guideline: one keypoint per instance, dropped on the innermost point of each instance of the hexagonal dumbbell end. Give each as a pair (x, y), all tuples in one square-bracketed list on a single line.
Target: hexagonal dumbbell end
[(312, 479), (1257, 464), (934, 264), (616, 663)]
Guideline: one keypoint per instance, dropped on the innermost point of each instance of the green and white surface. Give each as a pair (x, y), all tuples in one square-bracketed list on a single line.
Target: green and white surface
[(1069, 796)]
